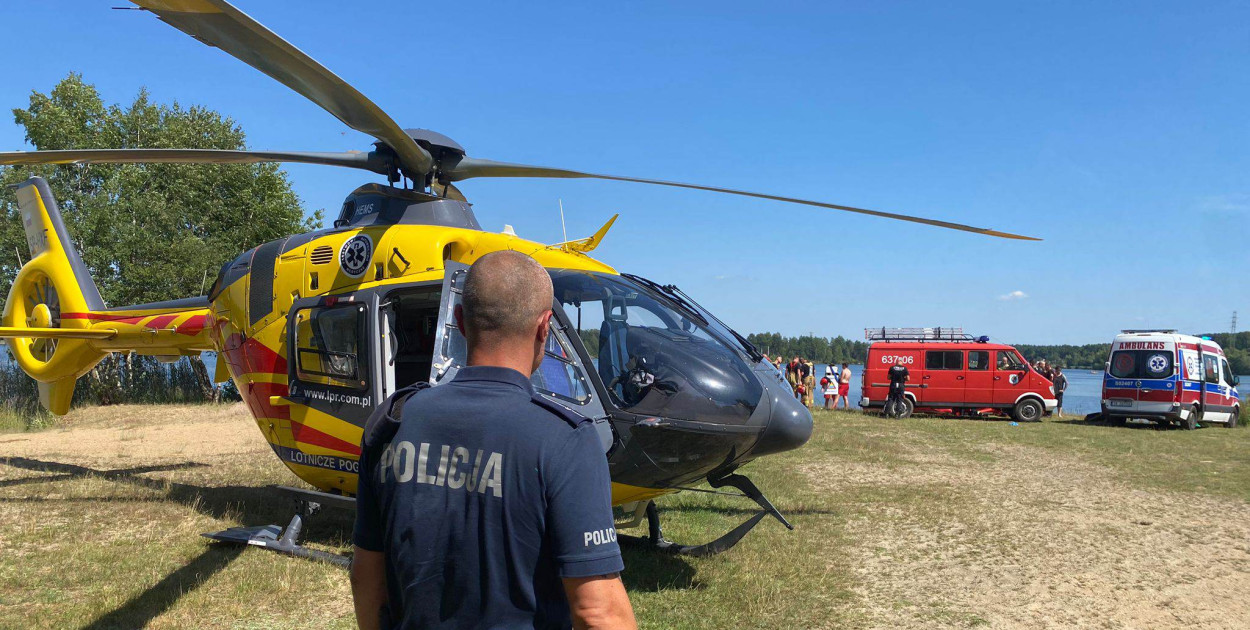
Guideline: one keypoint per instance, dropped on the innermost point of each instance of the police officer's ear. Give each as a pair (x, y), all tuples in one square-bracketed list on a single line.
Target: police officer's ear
[(540, 339), (544, 328)]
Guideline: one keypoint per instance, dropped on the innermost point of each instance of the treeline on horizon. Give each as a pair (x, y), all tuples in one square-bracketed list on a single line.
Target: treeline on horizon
[(118, 379), (816, 349), (1092, 356)]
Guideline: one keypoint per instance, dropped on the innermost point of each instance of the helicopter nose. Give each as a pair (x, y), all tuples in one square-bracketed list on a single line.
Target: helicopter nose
[(789, 422)]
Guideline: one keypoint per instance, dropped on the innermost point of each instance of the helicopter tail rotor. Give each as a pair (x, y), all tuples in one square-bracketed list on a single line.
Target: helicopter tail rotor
[(57, 325), (55, 350)]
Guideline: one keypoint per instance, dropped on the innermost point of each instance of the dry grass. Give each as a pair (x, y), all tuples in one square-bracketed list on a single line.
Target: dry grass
[(918, 523)]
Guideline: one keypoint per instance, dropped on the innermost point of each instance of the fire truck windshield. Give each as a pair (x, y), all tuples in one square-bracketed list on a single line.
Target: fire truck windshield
[(653, 357)]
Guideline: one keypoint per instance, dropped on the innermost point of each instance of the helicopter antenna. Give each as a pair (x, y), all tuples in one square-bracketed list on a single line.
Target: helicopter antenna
[(562, 228)]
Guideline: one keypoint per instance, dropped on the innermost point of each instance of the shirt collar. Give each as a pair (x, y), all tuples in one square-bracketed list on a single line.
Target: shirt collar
[(493, 374)]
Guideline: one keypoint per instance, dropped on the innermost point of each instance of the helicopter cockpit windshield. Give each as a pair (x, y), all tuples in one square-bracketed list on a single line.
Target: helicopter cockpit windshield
[(655, 356)]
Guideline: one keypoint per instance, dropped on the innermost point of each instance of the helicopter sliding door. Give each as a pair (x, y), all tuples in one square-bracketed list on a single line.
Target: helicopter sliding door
[(561, 377)]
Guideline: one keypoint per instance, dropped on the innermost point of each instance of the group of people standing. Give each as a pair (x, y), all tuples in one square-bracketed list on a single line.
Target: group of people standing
[(801, 375), (1055, 374)]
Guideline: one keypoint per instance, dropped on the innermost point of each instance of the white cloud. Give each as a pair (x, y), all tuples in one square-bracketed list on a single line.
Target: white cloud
[(1014, 295), (1231, 204)]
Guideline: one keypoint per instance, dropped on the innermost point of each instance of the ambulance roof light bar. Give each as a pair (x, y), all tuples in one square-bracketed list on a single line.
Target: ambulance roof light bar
[(1147, 331), (938, 333)]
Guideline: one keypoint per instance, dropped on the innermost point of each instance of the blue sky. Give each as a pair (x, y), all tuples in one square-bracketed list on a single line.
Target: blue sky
[(1117, 131)]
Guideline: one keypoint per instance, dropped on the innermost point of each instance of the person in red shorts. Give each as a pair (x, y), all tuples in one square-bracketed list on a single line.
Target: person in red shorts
[(844, 388), (830, 386)]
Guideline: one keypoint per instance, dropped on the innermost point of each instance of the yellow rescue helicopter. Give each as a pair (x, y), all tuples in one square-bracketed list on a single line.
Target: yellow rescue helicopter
[(316, 329)]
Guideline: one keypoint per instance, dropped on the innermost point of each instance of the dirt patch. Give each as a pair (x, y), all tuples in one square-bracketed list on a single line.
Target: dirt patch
[(1031, 539), (143, 433)]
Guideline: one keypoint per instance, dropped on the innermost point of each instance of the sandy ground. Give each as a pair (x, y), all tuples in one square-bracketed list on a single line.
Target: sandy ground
[(1052, 542), (129, 434), (1021, 538)]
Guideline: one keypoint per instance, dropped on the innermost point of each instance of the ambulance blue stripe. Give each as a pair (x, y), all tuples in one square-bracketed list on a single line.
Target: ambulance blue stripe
[(1133, 383)]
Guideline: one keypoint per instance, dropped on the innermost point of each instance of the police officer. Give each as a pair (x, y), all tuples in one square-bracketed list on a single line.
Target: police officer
[(896, 401), (481, 504)]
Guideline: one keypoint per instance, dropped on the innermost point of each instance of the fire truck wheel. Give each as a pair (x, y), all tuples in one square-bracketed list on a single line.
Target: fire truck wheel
[(908, 408), (1028, 410)]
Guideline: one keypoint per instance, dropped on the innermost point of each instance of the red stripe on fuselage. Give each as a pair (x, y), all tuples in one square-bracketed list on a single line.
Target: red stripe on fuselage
[(258, 401), (97, 317), (161, 321), (246, 356), (194, 325)]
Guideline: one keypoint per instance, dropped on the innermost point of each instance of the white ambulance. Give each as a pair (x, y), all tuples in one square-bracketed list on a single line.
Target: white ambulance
[(1168, 377)]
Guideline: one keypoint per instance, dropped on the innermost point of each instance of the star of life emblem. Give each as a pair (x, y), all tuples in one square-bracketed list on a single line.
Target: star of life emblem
[(1157, 363), (355, 255)]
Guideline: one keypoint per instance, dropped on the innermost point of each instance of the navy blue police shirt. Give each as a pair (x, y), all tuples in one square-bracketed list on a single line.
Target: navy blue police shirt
[(482, 501)]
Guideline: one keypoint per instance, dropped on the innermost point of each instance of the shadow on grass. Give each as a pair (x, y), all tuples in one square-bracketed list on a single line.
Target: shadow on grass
[(252, 505), (1095, 420), (149, 604), (648, 571), (70, 471), (746, 510)]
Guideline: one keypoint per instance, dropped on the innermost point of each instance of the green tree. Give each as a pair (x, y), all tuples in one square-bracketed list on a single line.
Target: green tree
[(147, 232)]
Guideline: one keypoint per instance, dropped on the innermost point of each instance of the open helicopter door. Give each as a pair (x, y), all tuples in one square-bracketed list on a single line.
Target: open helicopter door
[(450, 348), (561, 378)]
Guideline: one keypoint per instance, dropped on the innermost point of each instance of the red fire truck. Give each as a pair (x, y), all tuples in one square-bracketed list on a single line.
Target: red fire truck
[(951, 372)]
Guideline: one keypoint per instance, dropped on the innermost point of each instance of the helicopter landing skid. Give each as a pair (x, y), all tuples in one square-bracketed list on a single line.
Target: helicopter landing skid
[(274, 538), (308, 503), (655, 537)]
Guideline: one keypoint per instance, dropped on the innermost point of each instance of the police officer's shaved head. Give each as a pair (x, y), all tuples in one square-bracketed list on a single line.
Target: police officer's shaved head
[(505, 294)]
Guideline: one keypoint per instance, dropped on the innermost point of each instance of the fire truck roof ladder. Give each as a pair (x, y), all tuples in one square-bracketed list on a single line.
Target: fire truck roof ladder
[(939, 333)]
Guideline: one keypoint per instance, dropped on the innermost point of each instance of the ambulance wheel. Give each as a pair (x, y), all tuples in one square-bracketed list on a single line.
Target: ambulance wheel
[(1192, 420), (1028, 410), (1232, 420)]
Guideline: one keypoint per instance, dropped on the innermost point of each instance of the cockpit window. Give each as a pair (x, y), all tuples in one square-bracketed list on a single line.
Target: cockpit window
[(655, 359), (557, 375)]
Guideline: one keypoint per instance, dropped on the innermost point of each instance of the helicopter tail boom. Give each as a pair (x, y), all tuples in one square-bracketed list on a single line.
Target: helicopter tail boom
[(55, 322)]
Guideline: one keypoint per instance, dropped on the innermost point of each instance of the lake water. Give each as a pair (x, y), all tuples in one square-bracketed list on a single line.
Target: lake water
[(1084, 395)]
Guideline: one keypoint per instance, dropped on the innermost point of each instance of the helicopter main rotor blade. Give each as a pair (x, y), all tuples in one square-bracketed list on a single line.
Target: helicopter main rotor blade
[(367, 161), (218, 23), (469, 167)]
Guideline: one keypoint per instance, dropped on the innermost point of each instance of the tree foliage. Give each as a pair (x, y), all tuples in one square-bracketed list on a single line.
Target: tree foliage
[(1094, 356), (816, 349), (148, 232), (1091, 356)]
